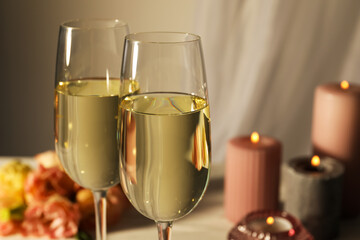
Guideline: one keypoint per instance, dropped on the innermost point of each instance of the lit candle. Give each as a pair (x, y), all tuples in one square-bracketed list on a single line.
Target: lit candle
[(315, 161), (313, 188), (344, 85), (269, 225), (311, 166), (336, 133), (251, 175)]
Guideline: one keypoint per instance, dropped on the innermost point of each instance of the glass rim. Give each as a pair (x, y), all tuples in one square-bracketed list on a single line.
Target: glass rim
[(148, 37), (94, 23)]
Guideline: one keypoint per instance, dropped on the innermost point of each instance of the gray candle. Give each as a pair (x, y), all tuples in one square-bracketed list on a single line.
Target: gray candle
[(313, 194)]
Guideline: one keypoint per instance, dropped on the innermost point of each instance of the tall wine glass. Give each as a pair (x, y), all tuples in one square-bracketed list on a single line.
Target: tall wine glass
[(86, 105), (164, 126)]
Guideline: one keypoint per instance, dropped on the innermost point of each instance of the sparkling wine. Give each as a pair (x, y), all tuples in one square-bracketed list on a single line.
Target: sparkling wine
[(86, 113), (165, 152)]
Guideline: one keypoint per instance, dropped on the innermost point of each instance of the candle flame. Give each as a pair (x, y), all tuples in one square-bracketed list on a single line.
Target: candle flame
[(270, 220), (315, 161), (344, 85), (255, 138)]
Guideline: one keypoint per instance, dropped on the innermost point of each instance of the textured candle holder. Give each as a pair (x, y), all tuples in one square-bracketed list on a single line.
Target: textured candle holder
[(243, 231), (314, 197), (252, 174)]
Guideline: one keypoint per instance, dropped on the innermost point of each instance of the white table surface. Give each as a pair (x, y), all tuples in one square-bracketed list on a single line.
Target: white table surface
[(207, 221)]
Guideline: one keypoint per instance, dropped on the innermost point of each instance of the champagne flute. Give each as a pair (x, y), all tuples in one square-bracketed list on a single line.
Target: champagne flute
[(164, 126), (86, 105)]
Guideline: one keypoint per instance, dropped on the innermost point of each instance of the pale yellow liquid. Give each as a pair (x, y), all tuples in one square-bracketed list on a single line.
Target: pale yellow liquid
[(164, 152), (86, 113)]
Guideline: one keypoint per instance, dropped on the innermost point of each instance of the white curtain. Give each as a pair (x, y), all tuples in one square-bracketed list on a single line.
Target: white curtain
[(265, 58)]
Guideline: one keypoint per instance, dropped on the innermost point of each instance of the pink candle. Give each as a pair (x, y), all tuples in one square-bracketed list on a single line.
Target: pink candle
[(251, 175), (336, 133)]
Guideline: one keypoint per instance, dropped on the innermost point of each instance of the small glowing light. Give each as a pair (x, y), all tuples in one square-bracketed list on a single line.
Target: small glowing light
[(255, 138), (134, 151), (82, 171), (270, 220), (61, 83), (315, 161), (134, 60), (344, 84), (70, 126), (241, 228), (193, 199), (68, 47), (291, 232), (107, 81), (179, 211)]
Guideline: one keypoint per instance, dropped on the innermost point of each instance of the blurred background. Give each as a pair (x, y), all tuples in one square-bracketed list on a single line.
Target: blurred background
[(28, 45), (263, 61)]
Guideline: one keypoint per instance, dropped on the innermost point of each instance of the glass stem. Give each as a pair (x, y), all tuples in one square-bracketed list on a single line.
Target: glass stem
[(164, 230), (100, 214)]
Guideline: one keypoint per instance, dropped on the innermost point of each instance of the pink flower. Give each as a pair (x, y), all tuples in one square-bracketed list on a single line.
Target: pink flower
[(44, 182), (48, 159), (9, 227), (55, 218)]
